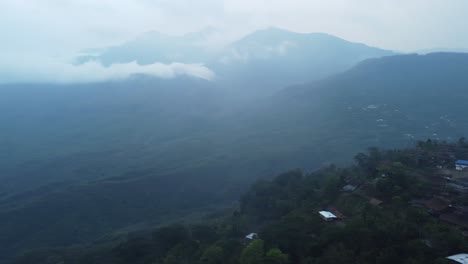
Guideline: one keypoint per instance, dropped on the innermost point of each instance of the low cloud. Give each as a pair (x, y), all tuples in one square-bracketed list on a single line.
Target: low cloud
[(258, 52), (281, 49), (55, 71)]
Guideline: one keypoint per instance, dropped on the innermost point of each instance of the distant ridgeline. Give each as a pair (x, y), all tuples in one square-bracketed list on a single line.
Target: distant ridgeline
[(395, 206)]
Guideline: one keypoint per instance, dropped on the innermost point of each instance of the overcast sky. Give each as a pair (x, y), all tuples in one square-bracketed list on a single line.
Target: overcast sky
[(58, 28)]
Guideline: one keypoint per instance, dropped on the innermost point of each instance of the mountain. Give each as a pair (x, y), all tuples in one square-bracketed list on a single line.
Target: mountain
[(87, 160), (388, 102), (270, 59), (58, 133), (153, 47), (438, 50), (67, 146), (254, 66)]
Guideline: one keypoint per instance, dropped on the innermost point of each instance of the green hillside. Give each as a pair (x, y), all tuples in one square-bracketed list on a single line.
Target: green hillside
[(380, 220), (189, 150)]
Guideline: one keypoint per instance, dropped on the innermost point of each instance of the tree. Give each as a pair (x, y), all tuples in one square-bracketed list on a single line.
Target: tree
[(332, 187), (253, 253), (275, 256), (337, 254), (212, 255), (167, 237), (133, 250)]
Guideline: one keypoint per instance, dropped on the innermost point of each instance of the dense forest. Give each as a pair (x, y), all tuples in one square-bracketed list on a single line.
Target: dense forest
[(388, 208)]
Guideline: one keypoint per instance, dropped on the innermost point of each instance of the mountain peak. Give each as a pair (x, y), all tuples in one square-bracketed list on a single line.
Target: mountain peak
[(285, 32), (273, 35)]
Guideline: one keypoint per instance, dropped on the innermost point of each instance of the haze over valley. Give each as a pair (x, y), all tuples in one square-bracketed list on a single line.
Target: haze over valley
[(122, 137)]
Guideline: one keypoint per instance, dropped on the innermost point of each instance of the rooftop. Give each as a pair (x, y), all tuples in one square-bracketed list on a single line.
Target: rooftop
[(462, 162), (460, 258), (437, 204), (335, 212), (327, 215), (251, 236), (454, 219), (457, 186), (375, 202), (349, 188)]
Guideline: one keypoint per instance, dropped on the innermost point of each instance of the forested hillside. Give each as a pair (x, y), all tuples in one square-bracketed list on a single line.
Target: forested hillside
[(233, 132), (380, 220), (88, 152)]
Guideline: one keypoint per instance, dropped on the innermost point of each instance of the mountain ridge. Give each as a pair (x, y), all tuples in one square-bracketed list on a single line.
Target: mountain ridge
[(305, 126)]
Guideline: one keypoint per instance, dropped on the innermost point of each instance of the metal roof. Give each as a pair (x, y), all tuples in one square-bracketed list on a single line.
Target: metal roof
[(327, 214), (251, 236), (349, 188), (462, 162), (457, 186), (460, 258)]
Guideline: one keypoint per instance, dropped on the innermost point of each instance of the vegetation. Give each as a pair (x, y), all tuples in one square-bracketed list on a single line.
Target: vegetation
[(119, 156), (284, 212)]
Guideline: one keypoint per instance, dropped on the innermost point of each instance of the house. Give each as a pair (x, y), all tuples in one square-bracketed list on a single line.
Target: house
[(251, 236), (457, 187), (461, 165), (462, 180), (349, 188), (460, 258), (437, 205), (327, 216), (454, 219), (420, 203), (336, 212), (375, 202)]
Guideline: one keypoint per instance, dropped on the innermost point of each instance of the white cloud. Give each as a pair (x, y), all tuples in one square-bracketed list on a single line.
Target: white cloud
[(50, 70), (281, 49), (391, 24), (70, 25), (62, 27)]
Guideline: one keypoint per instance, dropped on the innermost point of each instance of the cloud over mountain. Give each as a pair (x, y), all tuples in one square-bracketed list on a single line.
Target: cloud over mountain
[(55, 71)]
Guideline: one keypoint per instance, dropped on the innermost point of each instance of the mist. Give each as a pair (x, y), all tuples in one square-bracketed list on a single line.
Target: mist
[(50, 70), (61, 29), (233, 131)]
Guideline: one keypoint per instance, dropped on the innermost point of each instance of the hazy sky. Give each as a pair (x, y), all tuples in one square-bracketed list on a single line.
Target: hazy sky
[(58, 28)]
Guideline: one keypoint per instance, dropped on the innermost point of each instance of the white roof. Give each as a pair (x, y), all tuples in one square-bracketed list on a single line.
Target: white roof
[(460, 258), (251, 235), (327, 214)]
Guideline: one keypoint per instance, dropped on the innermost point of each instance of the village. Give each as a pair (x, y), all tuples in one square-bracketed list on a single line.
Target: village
[(446, 191), (443, 191), (446, 199)]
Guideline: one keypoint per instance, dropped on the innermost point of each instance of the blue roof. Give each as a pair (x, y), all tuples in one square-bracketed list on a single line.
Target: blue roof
[(462, 162)]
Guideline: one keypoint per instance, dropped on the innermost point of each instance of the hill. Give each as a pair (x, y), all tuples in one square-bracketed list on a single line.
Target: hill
[(389, 101), (58, 133), (267, 60), (387, 216), (92, 146)]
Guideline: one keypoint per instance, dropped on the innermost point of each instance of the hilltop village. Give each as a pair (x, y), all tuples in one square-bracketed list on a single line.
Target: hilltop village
[(443, 187)]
